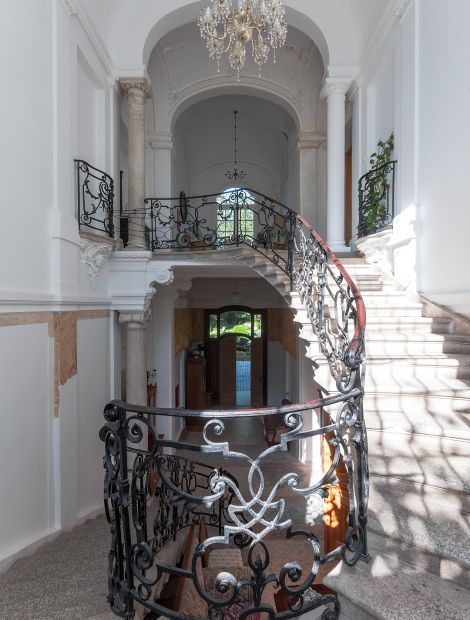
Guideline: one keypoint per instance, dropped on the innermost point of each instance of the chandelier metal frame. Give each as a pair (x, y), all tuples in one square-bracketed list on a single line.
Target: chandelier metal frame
[(229, 30), (235, 174)]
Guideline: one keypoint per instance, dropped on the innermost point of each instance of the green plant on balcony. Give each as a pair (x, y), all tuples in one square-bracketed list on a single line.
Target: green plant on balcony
[(377, 188)]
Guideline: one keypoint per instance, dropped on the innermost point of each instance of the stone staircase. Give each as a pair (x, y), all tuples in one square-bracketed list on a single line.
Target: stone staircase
[(417, 411)]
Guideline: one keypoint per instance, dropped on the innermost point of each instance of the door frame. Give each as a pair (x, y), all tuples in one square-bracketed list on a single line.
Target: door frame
[(264, 332)]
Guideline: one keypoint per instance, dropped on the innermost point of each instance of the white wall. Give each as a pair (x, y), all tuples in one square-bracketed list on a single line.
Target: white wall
[(94, 369), (413, 83), (26, 156), (66, 108), (26, 483), (444, 138), (385, 102)]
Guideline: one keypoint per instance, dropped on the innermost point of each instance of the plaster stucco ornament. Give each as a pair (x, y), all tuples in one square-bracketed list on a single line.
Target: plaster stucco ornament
[(93, 256), (229, 30)]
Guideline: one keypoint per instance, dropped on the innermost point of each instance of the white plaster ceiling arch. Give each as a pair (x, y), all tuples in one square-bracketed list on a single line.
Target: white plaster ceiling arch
[(204, 133), (137, 28), (267, 91)]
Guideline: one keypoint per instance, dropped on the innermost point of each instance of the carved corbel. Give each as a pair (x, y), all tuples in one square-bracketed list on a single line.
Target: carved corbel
[(93, 256)]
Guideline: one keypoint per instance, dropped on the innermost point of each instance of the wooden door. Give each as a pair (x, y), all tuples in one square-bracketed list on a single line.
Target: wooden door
[(227, 371), (257, 373)]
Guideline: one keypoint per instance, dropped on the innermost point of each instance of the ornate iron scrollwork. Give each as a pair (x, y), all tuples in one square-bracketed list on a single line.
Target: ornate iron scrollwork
[(95, 197), (248, 510)]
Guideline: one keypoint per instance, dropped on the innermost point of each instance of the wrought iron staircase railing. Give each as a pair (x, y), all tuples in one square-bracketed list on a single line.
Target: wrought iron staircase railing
[(213, 221), (377, 199), (95, 198), (254, 510)]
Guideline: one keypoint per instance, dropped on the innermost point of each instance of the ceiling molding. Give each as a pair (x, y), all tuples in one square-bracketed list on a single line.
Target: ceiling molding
[(215, 86), (69, 7), (95, 39), (395, 11), (402, 7)]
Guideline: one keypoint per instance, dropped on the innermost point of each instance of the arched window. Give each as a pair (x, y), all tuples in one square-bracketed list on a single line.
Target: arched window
[(234, 200)]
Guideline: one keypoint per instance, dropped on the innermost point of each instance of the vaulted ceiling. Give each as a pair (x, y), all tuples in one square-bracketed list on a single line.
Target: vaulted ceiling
[(364, 16)]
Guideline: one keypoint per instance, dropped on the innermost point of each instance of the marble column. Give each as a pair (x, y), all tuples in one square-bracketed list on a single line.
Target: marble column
[(136, 359), (137, 90), (334, 90)]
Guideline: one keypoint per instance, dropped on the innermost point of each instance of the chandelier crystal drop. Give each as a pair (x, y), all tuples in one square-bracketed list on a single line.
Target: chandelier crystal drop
[(235, 174), (229, 30)]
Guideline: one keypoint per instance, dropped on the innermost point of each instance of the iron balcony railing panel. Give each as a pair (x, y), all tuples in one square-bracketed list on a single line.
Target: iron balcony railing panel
[(377, 199), (248, 509), (214, 221), (239, 513), (95, 198)]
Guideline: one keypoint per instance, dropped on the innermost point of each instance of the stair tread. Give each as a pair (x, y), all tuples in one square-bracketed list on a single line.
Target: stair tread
[(392, 590), (417, 420), (430, 517)]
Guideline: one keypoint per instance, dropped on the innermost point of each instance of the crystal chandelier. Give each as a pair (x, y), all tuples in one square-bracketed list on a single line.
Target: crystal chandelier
[(229, 30), (235, 174)]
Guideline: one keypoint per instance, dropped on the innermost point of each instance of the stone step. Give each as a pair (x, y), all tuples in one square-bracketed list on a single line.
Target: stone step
[(444, 568), (388, 295), (389, 311), (421, 368), (417, 388), (421, 458), (274, 279), (434, 519), (418, 324), (390, 589), (439, 347), (267, 269), (449, 419), (449, 401), (353, 260)]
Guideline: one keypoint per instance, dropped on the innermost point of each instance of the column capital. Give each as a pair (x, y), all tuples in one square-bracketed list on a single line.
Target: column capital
[(161, 276), (311, 141), (334, 86), (136, 83), (133, 319), (356, 85)]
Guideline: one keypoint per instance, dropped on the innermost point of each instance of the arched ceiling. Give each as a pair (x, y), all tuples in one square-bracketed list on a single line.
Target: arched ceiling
[(129, 30), (182, 74), (207, 131)]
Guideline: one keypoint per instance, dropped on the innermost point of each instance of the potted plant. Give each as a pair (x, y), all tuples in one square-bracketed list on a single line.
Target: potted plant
[(373, 195)]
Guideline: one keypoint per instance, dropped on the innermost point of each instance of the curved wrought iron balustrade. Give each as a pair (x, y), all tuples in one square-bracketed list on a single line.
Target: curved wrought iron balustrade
[(95, 198), (377, 199), (213, 221), (249, 510)]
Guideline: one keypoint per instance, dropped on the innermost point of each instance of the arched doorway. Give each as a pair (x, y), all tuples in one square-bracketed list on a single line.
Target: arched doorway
[(236, 356)]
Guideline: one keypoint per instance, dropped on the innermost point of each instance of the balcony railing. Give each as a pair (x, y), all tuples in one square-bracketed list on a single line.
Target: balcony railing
[(212, 221), (262, 503), (95, 199), (377, 199)]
